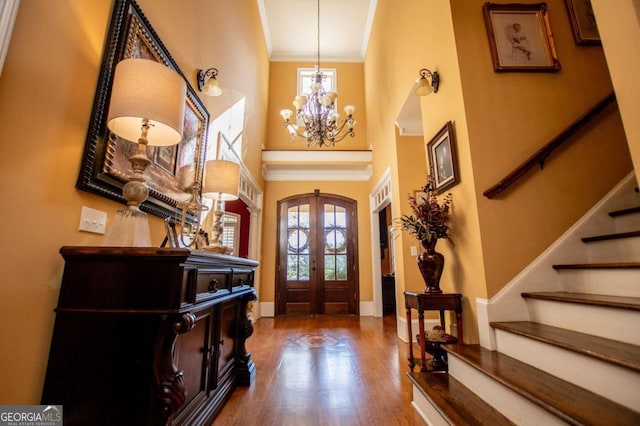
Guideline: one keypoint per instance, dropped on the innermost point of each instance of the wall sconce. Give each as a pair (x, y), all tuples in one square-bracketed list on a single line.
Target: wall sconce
[(208, 83), (424, 88)]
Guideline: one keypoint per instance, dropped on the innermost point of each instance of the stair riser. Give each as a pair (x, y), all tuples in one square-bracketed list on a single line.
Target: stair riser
[(616, 250), (627, 223), (610, 323), (513, 406), (611, 282), (613, 382), (427, 411)]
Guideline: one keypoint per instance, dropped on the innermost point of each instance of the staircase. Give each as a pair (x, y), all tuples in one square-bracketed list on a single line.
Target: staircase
[(561, 343)]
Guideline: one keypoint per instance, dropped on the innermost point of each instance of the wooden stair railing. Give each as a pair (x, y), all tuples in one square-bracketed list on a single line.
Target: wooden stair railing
[(543, 153)]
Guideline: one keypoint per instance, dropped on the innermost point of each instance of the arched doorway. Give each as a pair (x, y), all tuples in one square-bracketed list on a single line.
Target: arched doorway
[(317, 261)]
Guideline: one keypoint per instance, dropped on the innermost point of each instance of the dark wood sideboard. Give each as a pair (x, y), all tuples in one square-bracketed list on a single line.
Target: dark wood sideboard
[(149, 336)]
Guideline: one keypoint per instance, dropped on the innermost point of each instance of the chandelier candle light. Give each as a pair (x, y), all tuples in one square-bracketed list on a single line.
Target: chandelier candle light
[(322, 124), (147, 106)]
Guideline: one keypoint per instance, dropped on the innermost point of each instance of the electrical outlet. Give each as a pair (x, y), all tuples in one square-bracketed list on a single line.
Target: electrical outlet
[(414, 250), (92, 220)]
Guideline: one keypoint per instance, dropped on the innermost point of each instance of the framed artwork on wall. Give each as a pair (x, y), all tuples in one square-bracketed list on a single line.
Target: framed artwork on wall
[(443, 161), (173, 170), (520, 37), (583, 22)]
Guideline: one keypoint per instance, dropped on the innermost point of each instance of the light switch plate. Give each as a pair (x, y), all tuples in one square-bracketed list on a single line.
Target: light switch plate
[(92, 220), (414, 250)]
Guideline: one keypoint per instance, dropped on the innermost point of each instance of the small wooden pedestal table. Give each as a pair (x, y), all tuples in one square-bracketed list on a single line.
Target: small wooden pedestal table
[(430, 302)]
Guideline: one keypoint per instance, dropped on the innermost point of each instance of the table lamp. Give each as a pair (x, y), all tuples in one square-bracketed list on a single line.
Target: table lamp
[(221, 180), (147, 106)]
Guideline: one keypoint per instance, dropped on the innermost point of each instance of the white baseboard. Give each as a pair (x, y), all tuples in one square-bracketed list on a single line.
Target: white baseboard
[(367, 309), (267, 309), (401, 322)]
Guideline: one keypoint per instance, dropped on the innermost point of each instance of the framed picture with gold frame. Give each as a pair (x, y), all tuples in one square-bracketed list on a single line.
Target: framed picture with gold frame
[(173, 170), (583, 22), (520, 37), (443, 161)]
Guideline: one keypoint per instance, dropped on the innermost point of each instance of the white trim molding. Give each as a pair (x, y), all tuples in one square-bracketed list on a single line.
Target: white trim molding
[(317, 165), (378, 200), (8, 12)]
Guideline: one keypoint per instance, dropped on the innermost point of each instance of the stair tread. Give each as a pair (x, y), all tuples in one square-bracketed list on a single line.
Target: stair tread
[(455, 402), (603, 265), (608, 350), (613, 236), (620, 302), (567, 401)]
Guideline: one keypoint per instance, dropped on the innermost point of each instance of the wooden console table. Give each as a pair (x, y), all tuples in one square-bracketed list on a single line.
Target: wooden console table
[(430, 302), (149, 336)]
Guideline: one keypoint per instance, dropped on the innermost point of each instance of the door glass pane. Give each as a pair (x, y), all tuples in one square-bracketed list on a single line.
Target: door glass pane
[(329, 267), (303, 268), (292, 216), (329, 215), (298, 243), (341, 217), (335, 242), (341, 267), (304, 216), (292, 267)]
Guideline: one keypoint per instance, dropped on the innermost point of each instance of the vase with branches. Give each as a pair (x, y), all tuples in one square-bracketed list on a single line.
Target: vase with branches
[(428, 223)]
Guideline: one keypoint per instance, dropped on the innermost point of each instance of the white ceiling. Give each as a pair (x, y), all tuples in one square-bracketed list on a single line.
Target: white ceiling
[(291, 28)]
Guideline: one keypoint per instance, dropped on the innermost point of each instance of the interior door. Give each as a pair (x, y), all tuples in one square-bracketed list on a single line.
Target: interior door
[(317, 255)]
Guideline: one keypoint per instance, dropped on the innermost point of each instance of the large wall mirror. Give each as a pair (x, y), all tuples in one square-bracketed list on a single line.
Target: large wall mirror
[(174, 169)]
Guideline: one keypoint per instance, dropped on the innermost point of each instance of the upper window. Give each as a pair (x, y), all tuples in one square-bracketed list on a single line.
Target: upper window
[(227, 130), (306, 76)]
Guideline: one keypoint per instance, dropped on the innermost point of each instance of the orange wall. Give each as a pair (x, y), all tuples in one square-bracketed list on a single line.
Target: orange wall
[(282, 90), (499, 119), (201, 34), (510, 116), (619, 28), (400, 46), (47, 88)]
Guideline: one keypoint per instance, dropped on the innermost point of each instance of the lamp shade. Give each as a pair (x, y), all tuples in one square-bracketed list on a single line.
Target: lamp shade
[(144, 89), (423, 88), (212, 88), (221, 180)]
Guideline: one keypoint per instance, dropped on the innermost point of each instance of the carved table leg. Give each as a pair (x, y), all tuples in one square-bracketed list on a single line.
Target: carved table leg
[(423, 348), (246, 369), (411, 359), (459, 327), (168, 379)]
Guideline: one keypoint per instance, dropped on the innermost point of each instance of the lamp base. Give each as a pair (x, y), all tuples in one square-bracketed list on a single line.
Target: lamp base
[(130, 228)]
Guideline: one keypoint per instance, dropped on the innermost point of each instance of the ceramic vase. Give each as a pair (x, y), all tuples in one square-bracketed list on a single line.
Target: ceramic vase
[(431, 264)]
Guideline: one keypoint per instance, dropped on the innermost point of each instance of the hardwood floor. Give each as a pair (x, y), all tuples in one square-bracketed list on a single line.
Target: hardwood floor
[(325, 370)]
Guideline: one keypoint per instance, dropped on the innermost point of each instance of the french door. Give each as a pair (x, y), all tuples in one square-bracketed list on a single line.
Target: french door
[(317, 271)]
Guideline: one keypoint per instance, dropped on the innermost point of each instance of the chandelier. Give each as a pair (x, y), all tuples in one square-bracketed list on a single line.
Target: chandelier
[(317, 113)]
